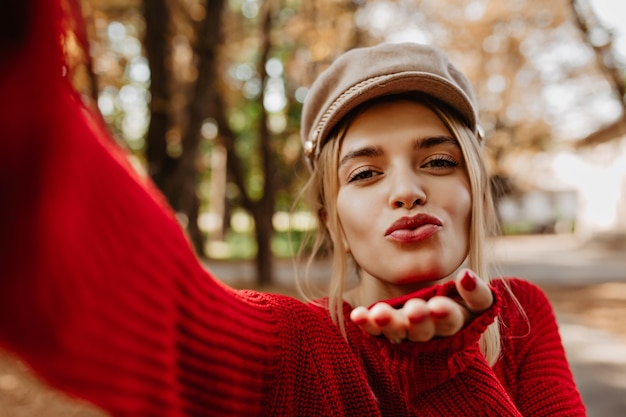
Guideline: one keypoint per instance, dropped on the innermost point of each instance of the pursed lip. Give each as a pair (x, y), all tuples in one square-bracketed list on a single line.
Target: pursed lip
[(414, 228)]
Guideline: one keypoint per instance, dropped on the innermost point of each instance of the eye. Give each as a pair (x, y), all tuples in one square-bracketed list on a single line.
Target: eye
[(440, 162), (363, 174)]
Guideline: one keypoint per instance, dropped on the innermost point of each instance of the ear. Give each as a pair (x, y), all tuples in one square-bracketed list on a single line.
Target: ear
[(323, 215)]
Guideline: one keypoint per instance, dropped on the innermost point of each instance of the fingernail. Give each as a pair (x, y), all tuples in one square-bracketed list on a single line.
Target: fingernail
[(417, 319), (382, 321), (360, 321), (439, 314), (468, 282)]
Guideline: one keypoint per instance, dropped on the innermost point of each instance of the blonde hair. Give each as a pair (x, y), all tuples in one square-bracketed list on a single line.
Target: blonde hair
[(323, 186)]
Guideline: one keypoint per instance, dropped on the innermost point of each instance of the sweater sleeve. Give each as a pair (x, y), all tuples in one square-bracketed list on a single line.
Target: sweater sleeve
[(100, 292), (533, 366)]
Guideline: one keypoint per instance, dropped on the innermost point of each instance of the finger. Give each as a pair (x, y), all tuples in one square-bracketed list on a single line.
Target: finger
[(447, 315), (361, 317), (421, 325), (392, 322), (475, 293)]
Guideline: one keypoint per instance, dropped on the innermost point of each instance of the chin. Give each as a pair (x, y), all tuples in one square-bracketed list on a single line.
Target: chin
[(429, 277), (427, 270)]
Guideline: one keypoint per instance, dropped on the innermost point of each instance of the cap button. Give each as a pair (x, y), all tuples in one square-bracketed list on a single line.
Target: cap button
[(309, 146), (480, 132)]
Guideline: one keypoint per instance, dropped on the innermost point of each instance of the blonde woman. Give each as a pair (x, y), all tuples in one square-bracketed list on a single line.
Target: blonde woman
[(368, 175), (102, 296)]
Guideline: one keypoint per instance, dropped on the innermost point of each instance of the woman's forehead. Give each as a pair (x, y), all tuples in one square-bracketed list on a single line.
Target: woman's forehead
[(399, 120)]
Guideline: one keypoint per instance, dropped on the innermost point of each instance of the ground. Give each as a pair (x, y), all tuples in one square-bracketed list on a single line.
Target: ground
[(600, 306)]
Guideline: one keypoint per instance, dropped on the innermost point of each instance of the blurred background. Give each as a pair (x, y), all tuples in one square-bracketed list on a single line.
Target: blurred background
[(206, 96)]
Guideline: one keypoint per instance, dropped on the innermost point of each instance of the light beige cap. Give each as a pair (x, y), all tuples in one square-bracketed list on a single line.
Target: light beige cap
[(363, 74)]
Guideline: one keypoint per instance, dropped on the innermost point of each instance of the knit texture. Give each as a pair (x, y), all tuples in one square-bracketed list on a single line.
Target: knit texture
[(102, 295)]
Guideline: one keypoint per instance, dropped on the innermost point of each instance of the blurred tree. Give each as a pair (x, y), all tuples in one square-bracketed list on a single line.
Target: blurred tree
[(156, 43), (177, 176), (229, 77), (600, 39), (262, 205)]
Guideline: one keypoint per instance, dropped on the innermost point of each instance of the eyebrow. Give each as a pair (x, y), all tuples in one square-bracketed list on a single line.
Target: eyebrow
[(435, 141), (368, 151), (375, 151)]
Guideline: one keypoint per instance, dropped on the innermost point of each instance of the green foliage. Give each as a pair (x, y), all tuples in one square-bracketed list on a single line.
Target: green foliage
[(242, 245)]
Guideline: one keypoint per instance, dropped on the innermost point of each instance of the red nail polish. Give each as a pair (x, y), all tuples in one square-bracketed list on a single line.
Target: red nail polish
[(439, 314), (468, 282), (417, 319), (361, 321), (382, 321)]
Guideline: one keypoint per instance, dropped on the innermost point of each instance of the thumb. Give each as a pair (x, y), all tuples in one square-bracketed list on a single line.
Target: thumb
[(474, 291)]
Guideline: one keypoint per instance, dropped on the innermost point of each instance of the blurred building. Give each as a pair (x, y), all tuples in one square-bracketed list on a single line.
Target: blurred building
[(601, 157), (580, 189)]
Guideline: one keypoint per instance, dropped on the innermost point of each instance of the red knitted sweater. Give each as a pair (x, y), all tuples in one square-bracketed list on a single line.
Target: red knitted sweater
[(101, 294)]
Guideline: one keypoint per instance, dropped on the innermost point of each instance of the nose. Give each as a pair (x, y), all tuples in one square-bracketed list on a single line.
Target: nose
[(406, 191)]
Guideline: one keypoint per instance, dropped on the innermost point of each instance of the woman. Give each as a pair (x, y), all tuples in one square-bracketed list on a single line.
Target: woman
[(103, 297)]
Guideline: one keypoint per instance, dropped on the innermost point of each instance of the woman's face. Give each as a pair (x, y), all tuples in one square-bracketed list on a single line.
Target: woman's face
[(404, 198)]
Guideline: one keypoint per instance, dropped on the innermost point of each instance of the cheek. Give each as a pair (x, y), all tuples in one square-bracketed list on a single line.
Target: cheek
[(458, 205), (351, 213), (465, 206), (345, 214), (462, 210)]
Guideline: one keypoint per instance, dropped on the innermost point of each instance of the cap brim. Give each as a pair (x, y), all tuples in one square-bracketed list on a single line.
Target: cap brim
[(421, 82)]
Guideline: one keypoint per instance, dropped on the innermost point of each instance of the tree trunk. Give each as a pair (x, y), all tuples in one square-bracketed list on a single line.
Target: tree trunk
[(160, 164), (263, 234), (203, 94), (261, 210), (264, 210), (178, 178)]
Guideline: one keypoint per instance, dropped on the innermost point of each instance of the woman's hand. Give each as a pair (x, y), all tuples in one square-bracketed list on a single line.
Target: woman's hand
[(419, 320)]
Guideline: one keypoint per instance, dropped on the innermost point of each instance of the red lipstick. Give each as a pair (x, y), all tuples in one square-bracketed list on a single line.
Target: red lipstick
[(413, 229)]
